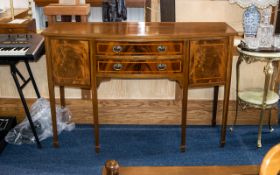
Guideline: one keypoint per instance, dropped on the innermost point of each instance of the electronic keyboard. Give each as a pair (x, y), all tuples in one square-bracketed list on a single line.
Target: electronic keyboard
[(19, 47)]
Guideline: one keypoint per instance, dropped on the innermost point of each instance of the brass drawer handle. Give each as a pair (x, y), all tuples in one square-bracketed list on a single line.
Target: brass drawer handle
[(161, 48), (117, 66), (161, 67), (117, 49)]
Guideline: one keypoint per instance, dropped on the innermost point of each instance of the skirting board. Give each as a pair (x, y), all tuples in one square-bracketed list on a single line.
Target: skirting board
[(142, 112)]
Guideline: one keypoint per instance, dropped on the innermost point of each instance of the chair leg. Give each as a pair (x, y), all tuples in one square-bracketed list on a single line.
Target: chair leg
[(259, 143), (269, 122)]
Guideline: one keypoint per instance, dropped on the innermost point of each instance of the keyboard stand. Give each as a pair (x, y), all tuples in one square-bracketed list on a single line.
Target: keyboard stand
[(15, 74)]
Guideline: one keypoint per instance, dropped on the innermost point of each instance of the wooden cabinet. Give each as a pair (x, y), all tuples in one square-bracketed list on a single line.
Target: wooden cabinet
[(70, 62), (193, 54), (208, 60)]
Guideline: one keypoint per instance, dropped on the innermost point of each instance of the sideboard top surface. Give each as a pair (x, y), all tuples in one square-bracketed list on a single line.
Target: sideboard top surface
[(138, 30)]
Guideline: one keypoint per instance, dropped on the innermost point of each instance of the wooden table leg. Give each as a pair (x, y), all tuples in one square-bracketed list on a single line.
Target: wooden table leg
[(62, 96), (51, 96), (224, 117), (184, 116), (95, 114), (226, 94), (53, 113), (215, 105)]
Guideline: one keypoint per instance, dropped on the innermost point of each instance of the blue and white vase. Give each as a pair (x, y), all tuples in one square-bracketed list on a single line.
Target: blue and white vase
[(251, 21)]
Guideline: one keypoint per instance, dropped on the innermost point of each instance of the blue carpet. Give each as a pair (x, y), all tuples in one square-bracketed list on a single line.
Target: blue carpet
[(136, 146)]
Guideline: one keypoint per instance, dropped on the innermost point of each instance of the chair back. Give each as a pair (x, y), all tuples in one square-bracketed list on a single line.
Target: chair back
[(271, 162), (80, 11)]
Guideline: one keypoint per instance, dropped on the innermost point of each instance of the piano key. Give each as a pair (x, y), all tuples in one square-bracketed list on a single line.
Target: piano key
[(7, 51), (20, 48)]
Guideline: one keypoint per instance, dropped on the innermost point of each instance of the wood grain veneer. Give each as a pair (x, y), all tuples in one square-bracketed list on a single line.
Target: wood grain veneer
[(71, 62), (201, 52), (189, 170), (95, 3), (139, 48), (28, 26), (204, 56)]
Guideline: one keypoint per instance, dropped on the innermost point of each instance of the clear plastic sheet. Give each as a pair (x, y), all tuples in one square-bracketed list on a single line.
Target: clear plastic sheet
[(41, 115)]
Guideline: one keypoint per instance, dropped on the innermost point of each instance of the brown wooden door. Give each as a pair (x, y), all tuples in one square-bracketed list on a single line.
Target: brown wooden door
[(208, 60), (70, 62)]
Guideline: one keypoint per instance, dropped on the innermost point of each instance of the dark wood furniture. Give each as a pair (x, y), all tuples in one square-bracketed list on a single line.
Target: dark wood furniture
[(54, 10), (192, 54), (95, 3), (188, 170), (66, 12), (28, 26)]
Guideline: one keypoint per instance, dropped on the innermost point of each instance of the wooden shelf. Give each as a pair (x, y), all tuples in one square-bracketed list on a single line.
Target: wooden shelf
[(94, 3), (19, 13)]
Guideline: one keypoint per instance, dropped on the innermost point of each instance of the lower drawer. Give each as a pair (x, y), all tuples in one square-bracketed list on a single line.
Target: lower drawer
[(139, 67)]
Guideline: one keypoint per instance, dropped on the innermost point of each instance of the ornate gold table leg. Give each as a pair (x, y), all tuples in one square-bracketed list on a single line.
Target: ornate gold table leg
[(269, 122), (268, 70)]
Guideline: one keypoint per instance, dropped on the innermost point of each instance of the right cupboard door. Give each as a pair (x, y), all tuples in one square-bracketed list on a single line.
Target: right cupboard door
[(208, 60)]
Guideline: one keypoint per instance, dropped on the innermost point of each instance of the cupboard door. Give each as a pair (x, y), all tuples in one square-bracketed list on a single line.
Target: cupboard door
[(70, 62), (208, 59)]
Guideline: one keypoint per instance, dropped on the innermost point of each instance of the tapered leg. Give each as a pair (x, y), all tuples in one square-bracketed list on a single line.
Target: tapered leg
[(53, 113), (226, 97), (269, 122), (184, 117), (236, 91), (215, 105), (259, 143), (62, 96), (95, 114)]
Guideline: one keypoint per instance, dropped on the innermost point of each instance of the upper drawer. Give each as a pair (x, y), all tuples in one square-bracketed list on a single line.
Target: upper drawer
[(139, 48)]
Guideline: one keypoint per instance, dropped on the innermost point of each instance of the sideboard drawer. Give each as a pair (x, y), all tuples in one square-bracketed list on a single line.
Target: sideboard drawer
[(139, 67), (140, 48)]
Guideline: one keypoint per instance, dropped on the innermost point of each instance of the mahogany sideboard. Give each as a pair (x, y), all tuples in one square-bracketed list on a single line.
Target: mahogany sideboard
[(192, 54)]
